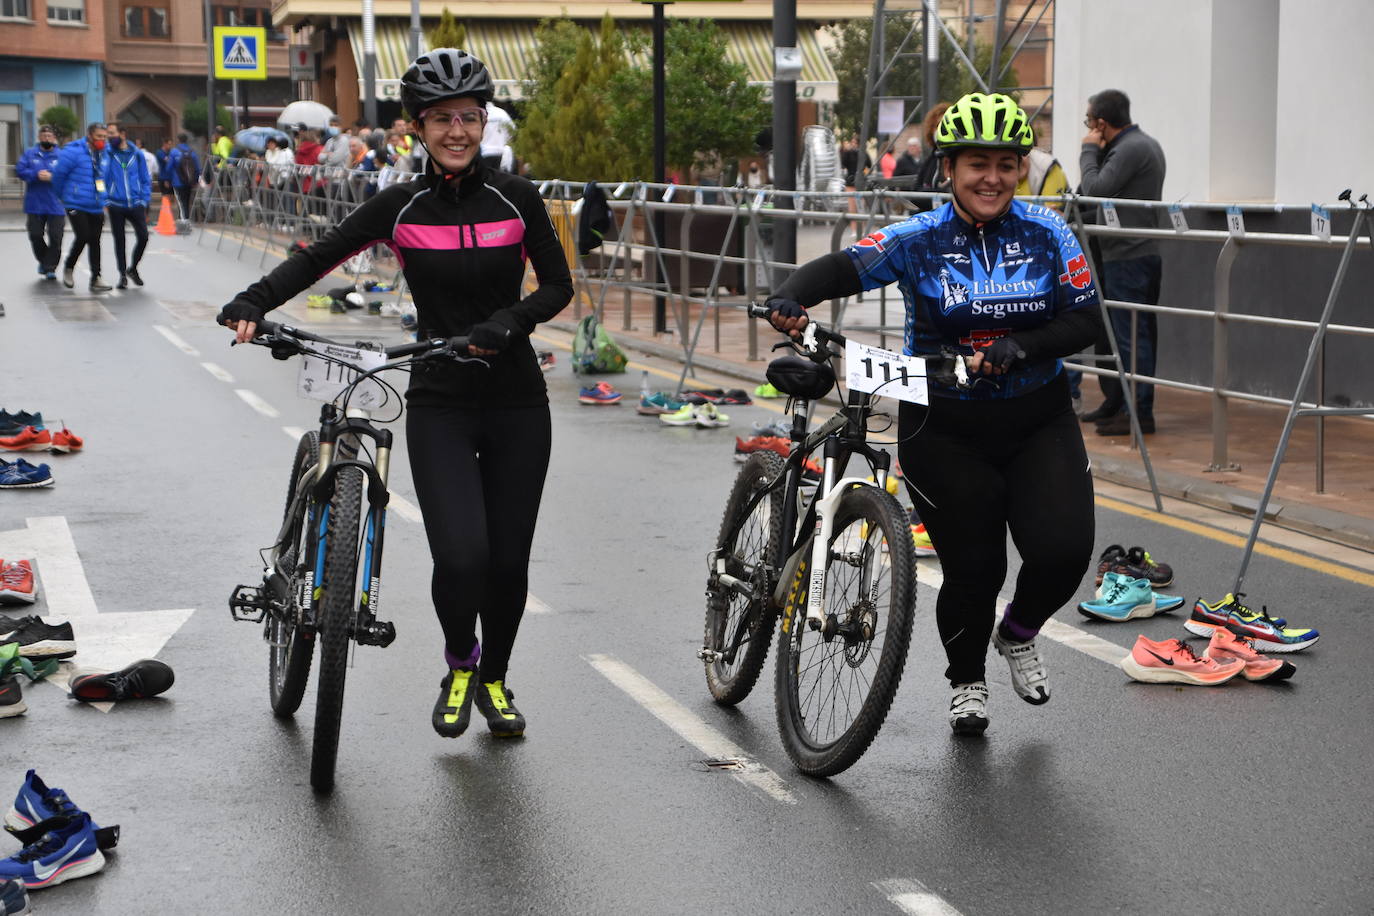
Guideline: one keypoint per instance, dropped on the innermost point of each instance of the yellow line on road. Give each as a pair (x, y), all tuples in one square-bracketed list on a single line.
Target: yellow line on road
[(1226, 537)]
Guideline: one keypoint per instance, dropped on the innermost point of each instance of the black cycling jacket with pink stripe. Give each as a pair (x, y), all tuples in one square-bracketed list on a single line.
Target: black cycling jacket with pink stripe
[(463, 249)]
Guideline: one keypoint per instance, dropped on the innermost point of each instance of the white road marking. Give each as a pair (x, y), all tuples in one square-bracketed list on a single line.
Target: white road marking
[(176, 341), (689, 727), (914, 898), (257, 403), (405, 508), (534, 606), (219, 372), (49, 542), (294, 432)]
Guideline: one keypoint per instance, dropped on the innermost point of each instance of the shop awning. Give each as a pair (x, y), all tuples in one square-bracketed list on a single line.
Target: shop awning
[(508, 47)]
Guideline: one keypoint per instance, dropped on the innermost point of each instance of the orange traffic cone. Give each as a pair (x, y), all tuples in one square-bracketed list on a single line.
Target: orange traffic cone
[(166, 225)]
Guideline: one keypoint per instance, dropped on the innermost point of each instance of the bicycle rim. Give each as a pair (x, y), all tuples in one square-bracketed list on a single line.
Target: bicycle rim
[(337, 609), (835, 686), (738, 626)]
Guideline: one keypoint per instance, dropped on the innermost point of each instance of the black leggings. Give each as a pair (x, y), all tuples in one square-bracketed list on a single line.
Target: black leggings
[(479, 475), (980, 468), (86, 229), (138, 218)]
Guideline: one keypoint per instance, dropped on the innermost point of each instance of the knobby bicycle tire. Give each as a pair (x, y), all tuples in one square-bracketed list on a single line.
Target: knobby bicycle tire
[(752, 547), (833, 695), (289, 650), (337, 610)]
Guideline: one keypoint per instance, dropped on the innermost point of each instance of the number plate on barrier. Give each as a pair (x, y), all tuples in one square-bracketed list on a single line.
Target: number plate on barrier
[(323, 380), (885, 374)]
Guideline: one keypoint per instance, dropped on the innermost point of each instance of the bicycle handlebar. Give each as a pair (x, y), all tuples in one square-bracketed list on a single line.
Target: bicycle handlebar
[(272, 333), (821, 334)]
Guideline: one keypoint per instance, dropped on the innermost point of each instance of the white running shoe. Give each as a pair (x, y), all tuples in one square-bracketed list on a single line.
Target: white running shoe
[(708, 416), (1029, 678), (968, 708)]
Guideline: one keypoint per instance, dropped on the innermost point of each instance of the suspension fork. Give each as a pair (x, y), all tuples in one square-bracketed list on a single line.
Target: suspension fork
[(376, 529)]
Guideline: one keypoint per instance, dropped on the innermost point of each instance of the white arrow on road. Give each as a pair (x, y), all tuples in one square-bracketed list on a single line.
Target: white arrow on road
[(105, 642)]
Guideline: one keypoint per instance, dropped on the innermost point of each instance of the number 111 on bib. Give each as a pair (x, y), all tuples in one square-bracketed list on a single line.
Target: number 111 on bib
[(885, 374)]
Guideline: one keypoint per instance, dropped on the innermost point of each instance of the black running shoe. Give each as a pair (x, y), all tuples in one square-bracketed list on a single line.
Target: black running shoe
[(11, 698), (453, 712), (133, 275), (494, 701), (14, 899), (39, 640), (146, 678)]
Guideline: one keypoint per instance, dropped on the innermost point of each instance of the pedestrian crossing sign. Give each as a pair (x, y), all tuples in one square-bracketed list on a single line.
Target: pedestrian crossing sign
[(240, 52)]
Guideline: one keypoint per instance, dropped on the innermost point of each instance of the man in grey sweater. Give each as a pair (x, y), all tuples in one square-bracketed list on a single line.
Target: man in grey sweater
[(1120, 160)]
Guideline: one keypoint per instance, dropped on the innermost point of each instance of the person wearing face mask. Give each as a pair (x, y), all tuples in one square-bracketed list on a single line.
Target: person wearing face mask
[(79, 180), (1004, 284), (479, 437), (130, 187), (42, 207)]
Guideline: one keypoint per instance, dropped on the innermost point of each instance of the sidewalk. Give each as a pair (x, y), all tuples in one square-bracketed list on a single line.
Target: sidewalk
[(1180, 451)]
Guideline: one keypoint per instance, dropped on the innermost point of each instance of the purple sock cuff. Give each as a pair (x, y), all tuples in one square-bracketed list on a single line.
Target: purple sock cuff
[(470, 661), (1020, 632)]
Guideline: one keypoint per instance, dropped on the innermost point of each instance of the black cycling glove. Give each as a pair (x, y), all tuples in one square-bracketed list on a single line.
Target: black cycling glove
[(489, 335), (785, 308), (1003, 353), (240, 311)]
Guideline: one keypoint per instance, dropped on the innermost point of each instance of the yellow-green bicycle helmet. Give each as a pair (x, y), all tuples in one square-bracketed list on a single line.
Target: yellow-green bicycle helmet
[(979, 121)]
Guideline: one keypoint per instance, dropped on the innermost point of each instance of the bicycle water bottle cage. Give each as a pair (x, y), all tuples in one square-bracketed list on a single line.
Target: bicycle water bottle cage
[(801, 378)]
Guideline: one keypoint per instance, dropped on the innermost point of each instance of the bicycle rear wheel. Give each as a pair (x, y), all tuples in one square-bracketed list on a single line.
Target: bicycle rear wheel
[(834, 686), (337, 607), (289, 650), (738, 625)]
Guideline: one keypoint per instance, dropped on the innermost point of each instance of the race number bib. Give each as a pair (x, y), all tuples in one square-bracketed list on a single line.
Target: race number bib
[(885, 374), (323, 379)]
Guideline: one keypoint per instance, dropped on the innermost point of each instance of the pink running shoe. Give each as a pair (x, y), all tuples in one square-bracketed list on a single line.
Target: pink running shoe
[(1229, 643), (1173, 662)]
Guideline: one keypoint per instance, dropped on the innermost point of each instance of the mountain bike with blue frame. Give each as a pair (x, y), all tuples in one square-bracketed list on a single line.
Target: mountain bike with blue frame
[(836, 564), (310, 591)]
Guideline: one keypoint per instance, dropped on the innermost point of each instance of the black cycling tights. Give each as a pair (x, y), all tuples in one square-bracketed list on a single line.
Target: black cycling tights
[(981, 468), (479, 474)]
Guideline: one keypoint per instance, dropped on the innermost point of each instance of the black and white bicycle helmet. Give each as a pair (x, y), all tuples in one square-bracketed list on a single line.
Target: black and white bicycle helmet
[(444, 73)]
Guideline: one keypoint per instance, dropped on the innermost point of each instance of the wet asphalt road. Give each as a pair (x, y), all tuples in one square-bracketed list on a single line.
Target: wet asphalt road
[(1114, 797)]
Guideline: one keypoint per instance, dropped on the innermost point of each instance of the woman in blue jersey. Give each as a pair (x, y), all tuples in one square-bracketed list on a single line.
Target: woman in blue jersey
[(1006, 284)]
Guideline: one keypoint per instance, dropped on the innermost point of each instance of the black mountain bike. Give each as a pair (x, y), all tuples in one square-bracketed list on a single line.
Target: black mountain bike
[(836, 563), (310, 591)]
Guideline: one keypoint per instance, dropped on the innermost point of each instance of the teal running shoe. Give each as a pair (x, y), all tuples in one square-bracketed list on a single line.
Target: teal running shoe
[(658, 403), (1124, 598)]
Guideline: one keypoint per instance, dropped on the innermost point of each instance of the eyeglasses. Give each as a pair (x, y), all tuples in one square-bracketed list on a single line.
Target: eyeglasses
[(444, 117), (1089, 121)]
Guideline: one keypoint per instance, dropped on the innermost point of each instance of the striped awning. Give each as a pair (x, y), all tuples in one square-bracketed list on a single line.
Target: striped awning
[(508, 48)]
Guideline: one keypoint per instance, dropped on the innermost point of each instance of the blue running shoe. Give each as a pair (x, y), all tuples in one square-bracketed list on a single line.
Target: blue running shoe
[(12, 424), (1121, 597), (21, 475), (68, 850), (36, 802), (14, 900)]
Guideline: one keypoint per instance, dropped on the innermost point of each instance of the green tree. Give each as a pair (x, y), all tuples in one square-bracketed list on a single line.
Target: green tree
[(193, 117), (62, 118), (712, 113), (449, 33), (850, 57)]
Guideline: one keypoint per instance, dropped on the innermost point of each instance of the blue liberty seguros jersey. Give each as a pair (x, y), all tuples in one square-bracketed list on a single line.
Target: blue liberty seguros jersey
[(966, 286)]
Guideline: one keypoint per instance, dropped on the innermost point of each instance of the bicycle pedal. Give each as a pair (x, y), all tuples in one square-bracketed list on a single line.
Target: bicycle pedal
[(248, 603), (708, 655), (376, 633)]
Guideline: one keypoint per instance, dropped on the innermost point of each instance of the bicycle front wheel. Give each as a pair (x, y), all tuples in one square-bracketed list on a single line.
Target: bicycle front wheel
[(739, 618), (337, 606), (835, 685), (290, 650)]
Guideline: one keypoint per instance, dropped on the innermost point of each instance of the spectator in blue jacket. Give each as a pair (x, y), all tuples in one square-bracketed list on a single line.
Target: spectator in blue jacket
[(164, 171), (130, 188), (79, 180), (42, 207), (184, 166)]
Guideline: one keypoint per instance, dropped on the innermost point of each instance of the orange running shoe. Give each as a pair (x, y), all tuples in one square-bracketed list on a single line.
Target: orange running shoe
[(67, 441), (1231, 643), (1173, 662), (27, 439), (746, 447)]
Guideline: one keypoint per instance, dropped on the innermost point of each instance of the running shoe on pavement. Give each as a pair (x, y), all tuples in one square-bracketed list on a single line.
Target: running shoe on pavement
[(14, 899), (16, 582), (968, 708), (1161, 575), (600, 393), (67, 441), (683, 416), (768, 392), (547, 360), (1173, 661), (746, 447), (780, 428), (1123, 598), (1269, 634), (68, 850), (921, 541), (1029, 678), (11, 694), (12, 424), (658, 403), (142, 679), (494, 702), (36, 803), (1230, 642), (708, 416), (28, 439), (735, 396), (20, 475), (39, 640), (453, 711)]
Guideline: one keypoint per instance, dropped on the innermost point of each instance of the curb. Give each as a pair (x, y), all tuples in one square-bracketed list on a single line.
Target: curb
[(1349, 530)]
